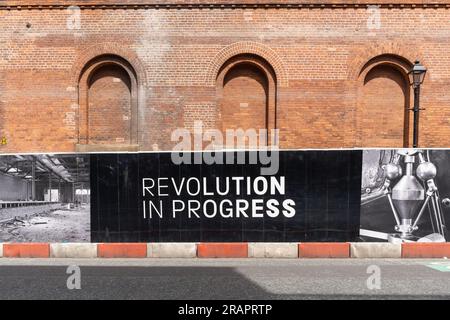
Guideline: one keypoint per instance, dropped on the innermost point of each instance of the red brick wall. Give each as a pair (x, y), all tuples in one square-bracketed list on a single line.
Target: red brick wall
[(317, 54)]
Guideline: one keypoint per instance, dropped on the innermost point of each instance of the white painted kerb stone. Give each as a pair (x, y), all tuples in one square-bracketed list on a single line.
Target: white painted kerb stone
[(171, 250), (73, 250), (273, 250), (376, 250)]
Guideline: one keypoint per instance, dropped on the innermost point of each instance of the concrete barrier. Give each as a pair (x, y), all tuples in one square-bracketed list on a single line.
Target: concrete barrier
[(172, 250), (425, 250), (122, 250), (21, 212), (225, 250), (222, 250), (375, 250), (324, 250), (26, 250), (73, 250), (1, 250), (272, 250)]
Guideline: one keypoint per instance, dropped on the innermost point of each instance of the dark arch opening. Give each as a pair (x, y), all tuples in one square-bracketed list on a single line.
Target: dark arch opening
[(108, 105), (110, 70), (385, 103), (246, 87)]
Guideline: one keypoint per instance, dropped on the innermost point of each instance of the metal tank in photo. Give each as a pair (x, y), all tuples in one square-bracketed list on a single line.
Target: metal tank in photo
[(403, 185)]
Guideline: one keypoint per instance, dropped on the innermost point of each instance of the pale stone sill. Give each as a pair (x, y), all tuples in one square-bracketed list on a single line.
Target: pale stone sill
[(106, 147)]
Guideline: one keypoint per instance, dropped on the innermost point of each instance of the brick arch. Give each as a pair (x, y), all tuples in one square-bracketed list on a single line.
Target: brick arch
[(392, 110), (360, 57), (261, 112), (85, 66), (247, 47), (398, 62), (108, 49)]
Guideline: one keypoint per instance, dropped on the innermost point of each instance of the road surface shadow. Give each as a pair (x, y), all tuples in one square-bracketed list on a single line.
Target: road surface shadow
[(153, 282)]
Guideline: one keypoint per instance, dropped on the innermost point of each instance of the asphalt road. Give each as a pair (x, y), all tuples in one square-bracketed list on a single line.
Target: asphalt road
[(226, 279)]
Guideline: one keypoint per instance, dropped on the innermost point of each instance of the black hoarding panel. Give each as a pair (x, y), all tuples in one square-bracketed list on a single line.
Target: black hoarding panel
[(145, 197)]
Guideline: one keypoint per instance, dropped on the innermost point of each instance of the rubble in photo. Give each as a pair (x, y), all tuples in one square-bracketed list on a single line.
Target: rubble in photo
[(44, 198)]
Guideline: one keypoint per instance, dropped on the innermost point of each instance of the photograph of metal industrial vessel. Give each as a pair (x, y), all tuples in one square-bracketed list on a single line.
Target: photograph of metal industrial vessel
[(405, 195)]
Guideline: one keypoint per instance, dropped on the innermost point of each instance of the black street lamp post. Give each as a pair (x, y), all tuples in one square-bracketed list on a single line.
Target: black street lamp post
[(416, 77)]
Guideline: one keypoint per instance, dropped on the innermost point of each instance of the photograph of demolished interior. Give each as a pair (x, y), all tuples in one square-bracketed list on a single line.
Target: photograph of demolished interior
[(44, 198)]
